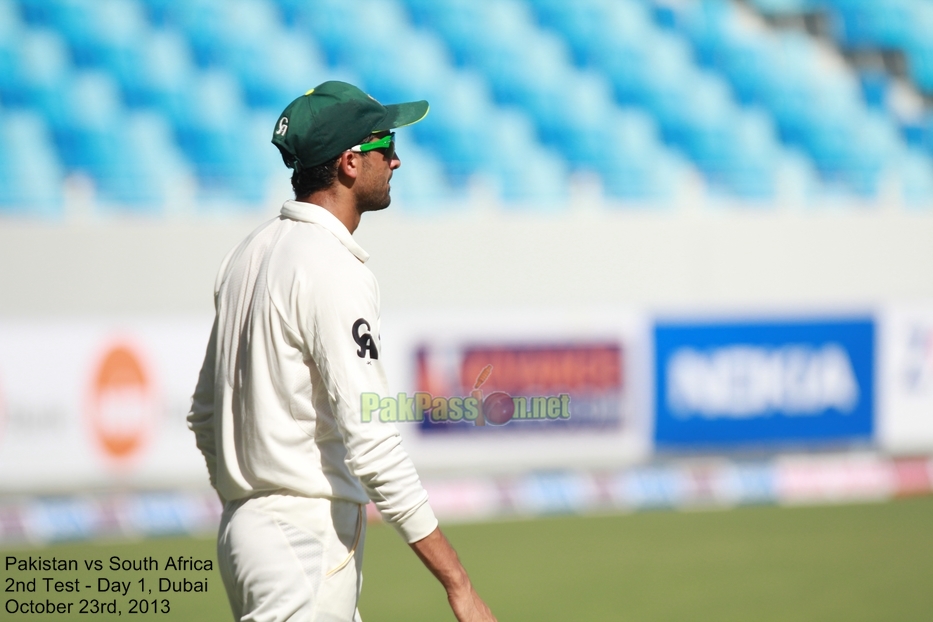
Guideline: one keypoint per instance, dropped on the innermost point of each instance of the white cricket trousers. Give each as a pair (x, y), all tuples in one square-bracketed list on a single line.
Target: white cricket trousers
[(291, 558)]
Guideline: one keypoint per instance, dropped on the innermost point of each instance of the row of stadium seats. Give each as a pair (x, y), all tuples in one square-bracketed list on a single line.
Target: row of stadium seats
[(141, 95), (883, 25), (816, 102)]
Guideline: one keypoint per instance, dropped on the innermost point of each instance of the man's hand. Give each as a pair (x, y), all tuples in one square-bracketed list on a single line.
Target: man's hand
[(441, 559), (468, 606)]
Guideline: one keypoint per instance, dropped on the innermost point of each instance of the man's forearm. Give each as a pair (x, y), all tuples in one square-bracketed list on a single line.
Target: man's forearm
[(441, 559)]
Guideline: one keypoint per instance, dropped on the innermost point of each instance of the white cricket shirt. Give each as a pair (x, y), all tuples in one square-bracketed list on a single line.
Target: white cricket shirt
[(295, 342)]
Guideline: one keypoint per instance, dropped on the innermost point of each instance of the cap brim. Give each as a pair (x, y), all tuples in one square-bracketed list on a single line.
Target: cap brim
[(400, 115)]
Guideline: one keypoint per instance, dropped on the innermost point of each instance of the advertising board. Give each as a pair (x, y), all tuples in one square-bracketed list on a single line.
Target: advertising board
[(764, 383), (905, 422), (520, 390), (99, 403)]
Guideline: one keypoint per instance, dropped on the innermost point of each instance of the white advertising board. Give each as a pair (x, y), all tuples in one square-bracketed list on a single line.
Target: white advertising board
[(88, 404), (906, 379)]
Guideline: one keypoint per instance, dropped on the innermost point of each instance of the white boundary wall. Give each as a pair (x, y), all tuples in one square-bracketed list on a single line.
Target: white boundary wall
[(710, 258)]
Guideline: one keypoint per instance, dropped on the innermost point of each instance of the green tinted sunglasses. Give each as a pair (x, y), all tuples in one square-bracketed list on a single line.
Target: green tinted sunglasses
[(386, 142)]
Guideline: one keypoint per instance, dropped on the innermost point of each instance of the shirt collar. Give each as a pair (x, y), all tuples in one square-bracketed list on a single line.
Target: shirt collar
[(309, 212)]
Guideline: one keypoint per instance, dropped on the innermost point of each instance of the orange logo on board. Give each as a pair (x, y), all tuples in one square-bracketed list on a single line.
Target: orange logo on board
[(121, 408)]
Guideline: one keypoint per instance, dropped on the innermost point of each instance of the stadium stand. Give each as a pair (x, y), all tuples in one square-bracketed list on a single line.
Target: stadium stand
[(528, 95)]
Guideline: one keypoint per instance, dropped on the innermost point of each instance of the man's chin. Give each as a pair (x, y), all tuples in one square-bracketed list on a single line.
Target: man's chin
[(378, 207)]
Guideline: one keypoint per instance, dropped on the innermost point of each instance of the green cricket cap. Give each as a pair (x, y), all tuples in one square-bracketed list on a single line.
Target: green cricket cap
[(331, 118)]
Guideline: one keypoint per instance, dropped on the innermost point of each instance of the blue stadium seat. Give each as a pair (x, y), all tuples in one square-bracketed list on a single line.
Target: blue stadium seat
[(459, 22), (597, 30), (160, 13), (414, 65), (211, 135), (572, 115), (339, 27), (639, 68), (752, 66), (37, 13), (878, 148), (156, 73), (663, 93), (875, 84), (797, 179), (635, 166), (458, 126), (212, 26), (623, 138), (752, 158), (522, 169), (143, 168), (504, 18), (274, 71), (915, 169), (541, 181), (919, 47), (926, 125), (95, 29), (786, 7), (332, 24), (583, 23), (871, 24), (521, 64), (11, 35), (625, 45), (851, 147), (420, 12), (652, 180), (10, 21), (30, 174), (696, 129), (709, 24), (38, 63), (249, 178), (85, 118), (291, 11), (794, 83), (383, 17)]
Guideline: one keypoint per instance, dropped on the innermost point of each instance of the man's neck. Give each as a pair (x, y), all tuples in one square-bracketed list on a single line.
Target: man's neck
[(342, 209)]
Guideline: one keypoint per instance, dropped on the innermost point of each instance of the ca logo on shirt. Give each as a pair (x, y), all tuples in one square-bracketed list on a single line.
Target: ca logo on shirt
[(364, 340)]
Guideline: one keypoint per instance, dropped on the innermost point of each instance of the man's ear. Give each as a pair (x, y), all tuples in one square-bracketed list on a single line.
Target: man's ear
[(350, 164)]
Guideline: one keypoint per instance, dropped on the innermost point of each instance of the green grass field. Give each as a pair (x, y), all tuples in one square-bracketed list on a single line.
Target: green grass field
[(847, 563)]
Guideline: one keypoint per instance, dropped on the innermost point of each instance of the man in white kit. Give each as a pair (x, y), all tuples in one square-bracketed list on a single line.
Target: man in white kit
[(295, 343)]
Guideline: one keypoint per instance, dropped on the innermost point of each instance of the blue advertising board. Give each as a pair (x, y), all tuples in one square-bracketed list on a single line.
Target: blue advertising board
[(760, 383)]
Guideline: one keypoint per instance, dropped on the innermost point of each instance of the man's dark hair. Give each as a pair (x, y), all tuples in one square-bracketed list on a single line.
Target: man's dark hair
[(310, 180)]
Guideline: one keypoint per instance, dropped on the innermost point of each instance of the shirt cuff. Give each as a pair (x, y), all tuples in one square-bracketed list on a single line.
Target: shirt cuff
[(418, 525)]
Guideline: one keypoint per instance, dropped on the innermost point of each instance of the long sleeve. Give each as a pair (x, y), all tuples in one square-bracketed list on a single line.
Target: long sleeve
[(201, 416)]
